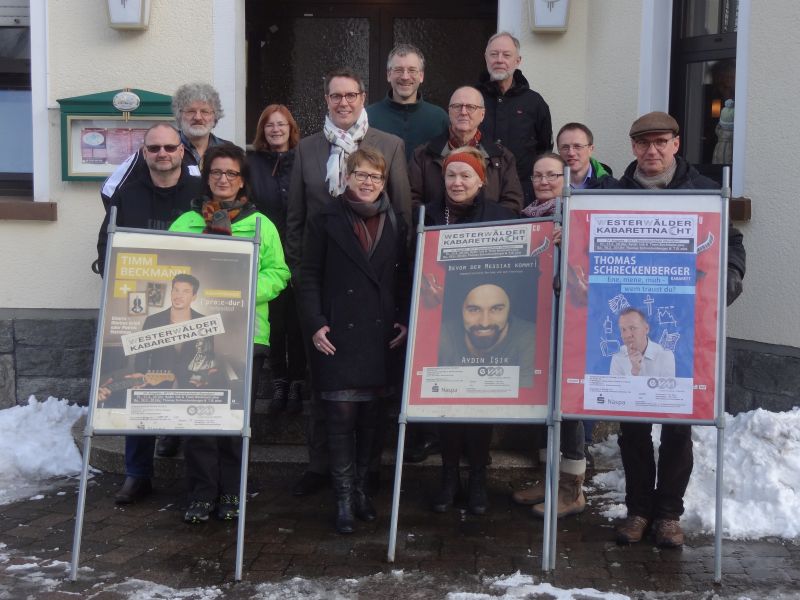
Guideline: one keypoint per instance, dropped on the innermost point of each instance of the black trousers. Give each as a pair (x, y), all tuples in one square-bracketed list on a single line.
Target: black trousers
[(287, 349), (656, 491), (471, 440), (213, 463)]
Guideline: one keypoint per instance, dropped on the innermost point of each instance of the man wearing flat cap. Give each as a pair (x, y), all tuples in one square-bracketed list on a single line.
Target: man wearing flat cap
[(650, 500)]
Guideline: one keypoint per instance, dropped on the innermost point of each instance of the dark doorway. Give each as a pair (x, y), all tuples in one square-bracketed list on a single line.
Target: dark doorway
[(291, 45)]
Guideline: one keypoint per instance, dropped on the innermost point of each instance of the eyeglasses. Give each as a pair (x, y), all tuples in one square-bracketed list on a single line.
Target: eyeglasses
[(202, 112), (548, 177), (660, 144), (459, 106), (362, 176), (218, 173), (156, 148), (349, 96), (278, 125), (413, 71), (574, 147)]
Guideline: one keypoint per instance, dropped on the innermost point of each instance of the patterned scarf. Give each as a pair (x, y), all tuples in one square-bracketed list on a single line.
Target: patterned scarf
[(453, 142), (219, 215), (544, 209), (655, 182), (343, 144)]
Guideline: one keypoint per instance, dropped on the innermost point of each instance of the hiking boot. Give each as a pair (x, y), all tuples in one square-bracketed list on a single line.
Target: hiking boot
[(294, 402), (531, 495), (198, 511), (571, 500), (632, 530), (228, 508), (277, 403), (668, 533)]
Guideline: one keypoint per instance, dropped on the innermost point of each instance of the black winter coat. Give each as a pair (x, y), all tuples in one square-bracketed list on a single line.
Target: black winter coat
[(142, 205), (482, 211), (270, 173), (518, 120), (359, 298)]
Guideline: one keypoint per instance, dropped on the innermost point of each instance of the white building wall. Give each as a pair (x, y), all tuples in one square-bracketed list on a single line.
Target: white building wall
[(46, 264), (768, 311)]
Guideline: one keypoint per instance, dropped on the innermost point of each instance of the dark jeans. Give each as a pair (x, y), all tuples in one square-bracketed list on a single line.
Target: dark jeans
[(471, 440), (213, 463), (287, 351), (572, 440), (139, 455), (646, 496)]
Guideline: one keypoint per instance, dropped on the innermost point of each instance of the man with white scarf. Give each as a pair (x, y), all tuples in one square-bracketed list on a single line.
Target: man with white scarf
[(318, 176)]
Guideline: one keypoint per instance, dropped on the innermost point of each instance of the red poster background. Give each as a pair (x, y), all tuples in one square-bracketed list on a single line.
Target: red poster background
[(705, 326), (429, 321)]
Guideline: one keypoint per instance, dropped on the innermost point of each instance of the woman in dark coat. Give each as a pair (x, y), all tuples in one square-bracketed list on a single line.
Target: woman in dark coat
[(464, 175), (354, 288), (271, 160)]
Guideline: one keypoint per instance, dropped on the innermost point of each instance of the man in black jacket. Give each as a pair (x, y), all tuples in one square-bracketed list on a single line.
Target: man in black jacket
[(150, 199), (517, 117), (655, 143)]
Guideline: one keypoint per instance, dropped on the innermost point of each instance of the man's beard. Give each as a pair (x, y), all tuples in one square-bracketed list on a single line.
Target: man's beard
[(197, 130), (499, 75), (483, 342)]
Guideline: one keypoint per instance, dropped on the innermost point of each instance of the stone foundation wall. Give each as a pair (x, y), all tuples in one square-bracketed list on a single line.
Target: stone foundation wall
[(46, 353), (50, 353)]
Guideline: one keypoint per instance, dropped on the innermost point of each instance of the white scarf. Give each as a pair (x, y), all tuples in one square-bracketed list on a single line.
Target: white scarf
[(343, 144)]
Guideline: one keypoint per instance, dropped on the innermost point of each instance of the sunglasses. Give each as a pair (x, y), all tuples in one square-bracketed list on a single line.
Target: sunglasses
[(156, 148)]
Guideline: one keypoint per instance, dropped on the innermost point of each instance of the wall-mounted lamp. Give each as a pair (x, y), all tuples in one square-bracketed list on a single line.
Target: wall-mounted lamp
[(128, 14), (548, 16)]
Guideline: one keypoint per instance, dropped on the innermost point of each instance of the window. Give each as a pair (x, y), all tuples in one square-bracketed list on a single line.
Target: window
[(16, 160), (703, 77)]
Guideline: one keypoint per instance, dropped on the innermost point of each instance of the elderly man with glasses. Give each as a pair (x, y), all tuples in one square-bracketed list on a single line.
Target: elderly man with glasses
[(466, 111), (319, 176), (654, 490)]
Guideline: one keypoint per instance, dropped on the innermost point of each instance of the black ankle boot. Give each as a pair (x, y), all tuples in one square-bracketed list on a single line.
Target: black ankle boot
[(477, 500), (277, 403), (451, 483)]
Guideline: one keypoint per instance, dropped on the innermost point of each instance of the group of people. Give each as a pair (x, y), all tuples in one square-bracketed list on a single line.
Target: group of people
[(341, 203)]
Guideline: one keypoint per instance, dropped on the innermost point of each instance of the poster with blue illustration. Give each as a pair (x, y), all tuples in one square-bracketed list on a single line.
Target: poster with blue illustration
[(641, 313)]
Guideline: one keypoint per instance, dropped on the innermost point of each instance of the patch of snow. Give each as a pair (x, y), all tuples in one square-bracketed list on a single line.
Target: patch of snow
[(522, 587), (761, 477), (36, 446)]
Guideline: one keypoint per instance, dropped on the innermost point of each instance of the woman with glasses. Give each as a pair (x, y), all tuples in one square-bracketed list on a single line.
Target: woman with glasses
[(464, 179), (213, 463), (548, 186), (354, 289), (271, 160)]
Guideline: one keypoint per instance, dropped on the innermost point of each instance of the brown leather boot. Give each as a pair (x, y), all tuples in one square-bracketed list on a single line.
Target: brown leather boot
[(632, 529), (571, 500), (668, 533), (535, 493)]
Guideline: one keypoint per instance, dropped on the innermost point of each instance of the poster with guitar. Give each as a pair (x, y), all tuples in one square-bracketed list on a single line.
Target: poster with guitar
[(174, 334)]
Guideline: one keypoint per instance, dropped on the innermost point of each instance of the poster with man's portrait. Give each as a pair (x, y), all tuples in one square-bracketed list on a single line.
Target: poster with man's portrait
[(641, 307), (482, 340), (174, 333)]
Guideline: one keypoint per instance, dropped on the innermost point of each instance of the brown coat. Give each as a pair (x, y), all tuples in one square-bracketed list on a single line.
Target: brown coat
[(427, 181)]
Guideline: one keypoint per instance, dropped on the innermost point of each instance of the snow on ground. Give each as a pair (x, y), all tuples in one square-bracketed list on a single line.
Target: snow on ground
[(761, 477), (36, 446)]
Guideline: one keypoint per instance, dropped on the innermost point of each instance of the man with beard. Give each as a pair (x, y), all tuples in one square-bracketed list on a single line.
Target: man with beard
[(197, 109), (517, 117), (488, 334)]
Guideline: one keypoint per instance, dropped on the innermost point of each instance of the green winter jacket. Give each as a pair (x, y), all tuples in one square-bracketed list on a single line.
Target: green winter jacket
[(273, 274)]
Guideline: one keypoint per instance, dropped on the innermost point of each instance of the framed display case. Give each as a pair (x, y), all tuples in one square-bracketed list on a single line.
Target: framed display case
[(99, 131)]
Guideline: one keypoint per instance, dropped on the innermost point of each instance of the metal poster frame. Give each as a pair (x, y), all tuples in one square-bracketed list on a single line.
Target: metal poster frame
[(404, 417), (718, 403), (244, 432)]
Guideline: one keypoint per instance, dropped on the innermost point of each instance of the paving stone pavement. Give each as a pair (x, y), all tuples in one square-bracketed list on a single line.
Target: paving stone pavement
[(288, 536)]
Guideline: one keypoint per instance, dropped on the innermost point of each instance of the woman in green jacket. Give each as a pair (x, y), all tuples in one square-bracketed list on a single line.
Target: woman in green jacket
[(213, 463)]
